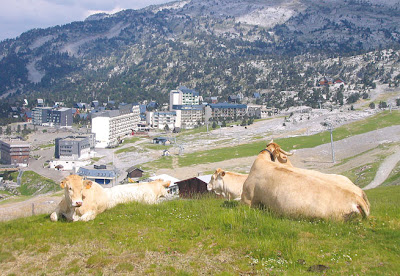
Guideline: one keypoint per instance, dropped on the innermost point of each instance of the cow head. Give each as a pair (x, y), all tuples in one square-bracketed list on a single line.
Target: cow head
[(163, 185), (216, 183), (277, 154), (73, 186)]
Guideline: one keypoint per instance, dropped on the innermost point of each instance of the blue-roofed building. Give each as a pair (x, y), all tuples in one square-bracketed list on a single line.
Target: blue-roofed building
[(101, 176), (256, 95), (184, 96), (227, 111)]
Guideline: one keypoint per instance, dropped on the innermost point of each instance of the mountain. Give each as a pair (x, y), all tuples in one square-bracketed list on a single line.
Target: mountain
[(218, 47)]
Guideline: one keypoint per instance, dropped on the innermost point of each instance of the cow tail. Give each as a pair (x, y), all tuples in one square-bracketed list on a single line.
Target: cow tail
[(363, 206), (364, 196)]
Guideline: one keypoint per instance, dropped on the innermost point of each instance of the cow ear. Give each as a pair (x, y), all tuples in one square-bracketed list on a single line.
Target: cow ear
[(166, 184), (222, 173), (62, 183), (87, 183)]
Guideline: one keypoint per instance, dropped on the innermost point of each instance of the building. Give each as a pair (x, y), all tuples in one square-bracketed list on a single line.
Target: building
[(193, 187), (190, 115), (160, 119), (161, 141), (325, 81), (74, 148), (134, 172), (14, 152), (225, 111), (99, 174), (183, 96), (111, 126), (48, 116)]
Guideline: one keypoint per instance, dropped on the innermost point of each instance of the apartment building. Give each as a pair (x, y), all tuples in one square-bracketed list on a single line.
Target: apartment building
[(74, 147), (111, 126), (190, 115), (48, 116), (183, 96), (226, 111), (160, 119), (14, 152)]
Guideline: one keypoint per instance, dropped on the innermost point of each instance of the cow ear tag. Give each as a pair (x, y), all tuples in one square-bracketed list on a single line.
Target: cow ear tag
[(88, 184), (62, 184)]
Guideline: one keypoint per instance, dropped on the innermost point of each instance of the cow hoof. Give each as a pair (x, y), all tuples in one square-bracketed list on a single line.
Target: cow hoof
[(53, 217)]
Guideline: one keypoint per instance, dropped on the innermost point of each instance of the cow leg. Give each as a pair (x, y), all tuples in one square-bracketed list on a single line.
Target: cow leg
[(88, 216), (59, 211)]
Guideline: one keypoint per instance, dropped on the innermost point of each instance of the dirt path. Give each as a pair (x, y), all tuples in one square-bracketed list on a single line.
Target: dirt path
[(384, 170), (43, 204)]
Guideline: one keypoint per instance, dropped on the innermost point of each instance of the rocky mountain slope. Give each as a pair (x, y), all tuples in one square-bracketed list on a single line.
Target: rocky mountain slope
[(216, 47)]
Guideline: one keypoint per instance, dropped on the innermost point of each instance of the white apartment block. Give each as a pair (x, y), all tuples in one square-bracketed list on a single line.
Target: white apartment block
[(183, 96), (190, 115), (159, 119), (111, 126)]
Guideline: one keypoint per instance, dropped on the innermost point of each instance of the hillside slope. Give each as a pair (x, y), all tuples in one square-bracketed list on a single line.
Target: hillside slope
[(216, 47)]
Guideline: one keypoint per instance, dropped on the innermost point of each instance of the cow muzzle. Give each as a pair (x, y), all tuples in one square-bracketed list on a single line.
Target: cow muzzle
[(77, 203)]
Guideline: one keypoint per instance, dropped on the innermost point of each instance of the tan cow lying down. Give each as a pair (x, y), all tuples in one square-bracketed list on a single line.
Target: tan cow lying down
[(227, 184), (84, 200), (279, 155), (297, 192)]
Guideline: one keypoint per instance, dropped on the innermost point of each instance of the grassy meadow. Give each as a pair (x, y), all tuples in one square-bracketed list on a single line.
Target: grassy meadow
[(205, 236)]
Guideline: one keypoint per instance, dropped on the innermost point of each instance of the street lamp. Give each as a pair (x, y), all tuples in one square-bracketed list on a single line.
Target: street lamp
[(330, 128)]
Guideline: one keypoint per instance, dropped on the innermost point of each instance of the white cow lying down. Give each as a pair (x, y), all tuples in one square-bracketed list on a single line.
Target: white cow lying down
[(84, 200)]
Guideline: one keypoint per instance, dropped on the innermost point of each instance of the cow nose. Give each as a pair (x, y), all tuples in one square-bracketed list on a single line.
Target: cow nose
[(79, 203)]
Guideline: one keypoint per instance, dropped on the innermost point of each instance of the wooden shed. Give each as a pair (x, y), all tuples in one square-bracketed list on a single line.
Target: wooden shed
[(134, 172), (191, 187)]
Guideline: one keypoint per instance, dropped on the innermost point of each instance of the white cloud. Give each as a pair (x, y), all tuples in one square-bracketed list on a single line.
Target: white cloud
[(18, 16)]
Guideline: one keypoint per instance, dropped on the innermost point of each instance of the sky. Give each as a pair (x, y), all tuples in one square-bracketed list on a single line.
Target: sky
[(18, 16)]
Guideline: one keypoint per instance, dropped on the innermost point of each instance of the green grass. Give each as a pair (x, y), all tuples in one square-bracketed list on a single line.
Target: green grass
[(131, 140), (128, 149), (206, 236), (46, 146), (34, 184), (378, 121)]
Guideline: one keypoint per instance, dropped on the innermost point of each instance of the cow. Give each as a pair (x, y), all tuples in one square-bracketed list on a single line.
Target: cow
[(227, 184), (146, 192), (296, 192), (276, 154), (83, 199)]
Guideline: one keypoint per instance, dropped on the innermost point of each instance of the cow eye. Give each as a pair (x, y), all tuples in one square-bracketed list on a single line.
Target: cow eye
[(70, 188)]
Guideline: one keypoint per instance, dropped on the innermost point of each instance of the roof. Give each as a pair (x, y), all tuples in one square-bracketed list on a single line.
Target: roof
[(187, 107), (96, 173), (186, 90), (165, 177), (15, 143), (161, 138), (227, 105), (205, 178), (131, 169)]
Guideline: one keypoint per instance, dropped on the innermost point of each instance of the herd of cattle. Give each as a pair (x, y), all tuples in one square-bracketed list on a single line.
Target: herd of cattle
[(273, 182)]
